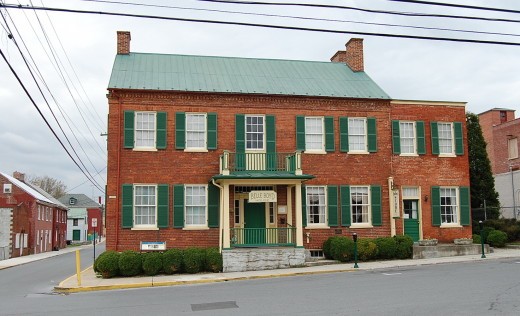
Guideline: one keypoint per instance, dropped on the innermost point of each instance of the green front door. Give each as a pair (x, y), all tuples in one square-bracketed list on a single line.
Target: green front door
[(411, 221), (76, 233), (254, 223)]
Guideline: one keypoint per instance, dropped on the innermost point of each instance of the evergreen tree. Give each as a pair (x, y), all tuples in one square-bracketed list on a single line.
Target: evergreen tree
[(481, 178)]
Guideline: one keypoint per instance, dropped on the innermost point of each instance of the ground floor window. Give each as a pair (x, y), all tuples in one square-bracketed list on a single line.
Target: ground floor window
[(360, 205), (195, 200), (448, 205), (145, 205), (316, 205)]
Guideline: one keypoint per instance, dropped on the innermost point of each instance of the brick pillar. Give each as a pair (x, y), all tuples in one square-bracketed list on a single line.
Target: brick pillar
[(354, 54), (123, 42)]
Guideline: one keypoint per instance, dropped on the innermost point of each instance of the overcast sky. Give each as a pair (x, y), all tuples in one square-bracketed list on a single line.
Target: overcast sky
[(485, 76)]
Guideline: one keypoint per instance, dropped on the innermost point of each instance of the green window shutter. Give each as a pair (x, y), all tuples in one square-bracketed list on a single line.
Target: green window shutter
[(270, 136), (180, 130), (435, 138), (212, 130), (304, 206), (396, 137), (178, 206), (162, 205), (329, 134), (129, 129), (300, 132), (161, 130), (436, 206), (343, 134), (332, 205), (213, 205), (240, 133), (421, 141), (465, 216), (372, 134), (127, 201), (375, 196), (346, 219), (459, 139)]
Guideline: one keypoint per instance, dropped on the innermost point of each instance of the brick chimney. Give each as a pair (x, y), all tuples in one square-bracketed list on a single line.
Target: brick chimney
[(354, 54), (19, 176), (339, 57), (123, 42)]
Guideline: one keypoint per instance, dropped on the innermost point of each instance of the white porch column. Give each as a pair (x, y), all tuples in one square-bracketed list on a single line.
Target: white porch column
[(289, 204), (225, 226), (298, 213)]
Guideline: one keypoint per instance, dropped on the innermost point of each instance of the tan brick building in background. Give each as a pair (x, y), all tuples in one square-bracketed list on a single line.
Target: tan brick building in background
[(268, 158)]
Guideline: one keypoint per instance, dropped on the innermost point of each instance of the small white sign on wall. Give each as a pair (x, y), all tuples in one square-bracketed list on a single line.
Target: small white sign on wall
[(262, 196), (153, 245)]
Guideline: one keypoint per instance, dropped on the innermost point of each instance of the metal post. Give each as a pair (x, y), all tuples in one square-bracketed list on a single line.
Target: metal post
[(78, 267), (513, 187), (485, 210), (481, 238), (354, 236)]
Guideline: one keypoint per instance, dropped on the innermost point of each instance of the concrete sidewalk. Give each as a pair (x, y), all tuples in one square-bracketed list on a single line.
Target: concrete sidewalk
[(91, 282)]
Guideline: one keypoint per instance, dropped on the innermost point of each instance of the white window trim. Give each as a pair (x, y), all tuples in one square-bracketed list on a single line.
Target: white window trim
[(317, 225), (145, 226), (452, 154), (457, 224), (316, 151), (145, 148), (369, 223), (358, 151), (414, 126), (254, 150), (196, 149), (196, 226)]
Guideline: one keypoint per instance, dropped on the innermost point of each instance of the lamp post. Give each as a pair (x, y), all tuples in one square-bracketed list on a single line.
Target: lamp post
[(354, 236), (481, 238)]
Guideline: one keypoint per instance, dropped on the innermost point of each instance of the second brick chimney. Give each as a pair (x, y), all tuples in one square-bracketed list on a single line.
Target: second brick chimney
[(352, 56), (123, 42), (19, 176)]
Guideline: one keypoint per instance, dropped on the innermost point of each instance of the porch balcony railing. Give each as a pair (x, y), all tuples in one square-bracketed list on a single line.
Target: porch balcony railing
[(265, 237), (260, 162)]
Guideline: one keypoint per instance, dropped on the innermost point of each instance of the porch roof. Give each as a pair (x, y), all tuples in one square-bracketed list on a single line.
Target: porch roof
[(264, 175)]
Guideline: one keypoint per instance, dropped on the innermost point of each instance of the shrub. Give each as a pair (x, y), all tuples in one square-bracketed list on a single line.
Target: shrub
[(404, 249), (326, 247), (476, 239), (193, 260), (342, 249), (130, 263), (172, 261), (108, 264), (386, 247), (485, 233), (152, 263), (367, 249), (213, 260), (513, 232), (497, 238)]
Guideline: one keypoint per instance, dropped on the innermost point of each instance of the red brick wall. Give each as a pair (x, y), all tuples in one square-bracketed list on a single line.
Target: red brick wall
[(490, 122), (501, 134)]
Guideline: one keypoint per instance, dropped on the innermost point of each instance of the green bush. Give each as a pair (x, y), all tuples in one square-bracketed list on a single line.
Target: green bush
[(130, 263), (513, 232), (386, 247), (497, 238), (213, 260), (326, 247), (152, 263), (193, 260), (342, 249), (404, 249), (485, 233), (172, 261), (476, 239), (367, 249), (108, 264)]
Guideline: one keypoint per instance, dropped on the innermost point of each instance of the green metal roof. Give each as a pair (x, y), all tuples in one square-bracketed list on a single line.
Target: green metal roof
[(263, 175), (241, 75)]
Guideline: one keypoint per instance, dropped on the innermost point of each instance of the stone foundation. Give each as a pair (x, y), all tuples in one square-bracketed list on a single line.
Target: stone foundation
[(252, 259), (447, 250)]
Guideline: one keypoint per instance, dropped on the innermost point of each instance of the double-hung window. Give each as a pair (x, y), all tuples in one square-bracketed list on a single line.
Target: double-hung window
[(145, 129), (450, 206), (316, 205), (195, 205), (195, 131), (145, 205), (255, 136), (448, 197), (447, 138), (407, 137), (314, 134), (445, 132), (512, 148), (360, 205), (357, 136)]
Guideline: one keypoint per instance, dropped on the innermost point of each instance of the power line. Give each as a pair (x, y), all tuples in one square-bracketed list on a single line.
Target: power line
[(294, 28), (454, 5)]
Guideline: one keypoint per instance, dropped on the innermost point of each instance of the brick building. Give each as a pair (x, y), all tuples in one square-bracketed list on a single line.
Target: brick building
[(501, 131), (266, 159), (31, 221)]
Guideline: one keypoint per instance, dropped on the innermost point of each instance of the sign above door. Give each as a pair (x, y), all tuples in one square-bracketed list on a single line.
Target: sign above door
[(262, 196)]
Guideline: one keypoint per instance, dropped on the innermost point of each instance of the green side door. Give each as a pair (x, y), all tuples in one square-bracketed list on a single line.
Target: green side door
[(254, 223), (411, 221), (76, 233)]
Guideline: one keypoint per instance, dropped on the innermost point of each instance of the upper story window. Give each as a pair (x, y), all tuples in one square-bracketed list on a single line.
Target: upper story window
[(196, 131), (75, 222), (447, 138), (145, 129), (72, 201), (255, 132), (407, 137), (357, 136), (503, 117), (512, 148), (314, 134)]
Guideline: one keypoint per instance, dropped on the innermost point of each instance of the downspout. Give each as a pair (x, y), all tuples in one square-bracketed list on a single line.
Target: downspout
[(221, 218)]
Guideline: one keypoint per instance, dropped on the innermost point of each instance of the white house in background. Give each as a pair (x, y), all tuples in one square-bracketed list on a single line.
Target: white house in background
[(83, 212)]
